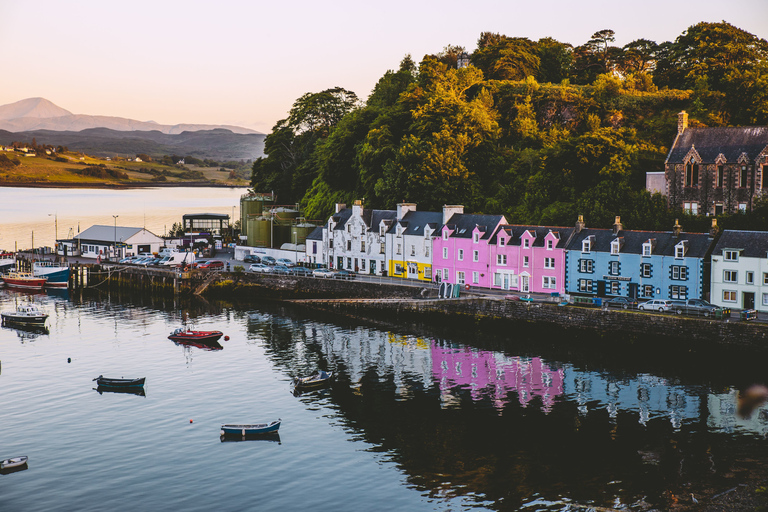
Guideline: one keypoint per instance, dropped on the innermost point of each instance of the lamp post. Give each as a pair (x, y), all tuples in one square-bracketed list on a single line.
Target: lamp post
[(115, 242)]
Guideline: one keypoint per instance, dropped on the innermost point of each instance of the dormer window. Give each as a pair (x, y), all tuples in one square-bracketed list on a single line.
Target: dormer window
[(445, 234), (647, 249), (502, 242), (586, 244), (476, 238), (681, 249), (526, 243), (382, 230), (616, 246), (550, 245), (731, 255)]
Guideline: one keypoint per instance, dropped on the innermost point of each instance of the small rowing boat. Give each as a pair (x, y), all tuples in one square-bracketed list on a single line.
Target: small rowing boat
[(315, 380), (104, 382), (252, 429), (13, 462)]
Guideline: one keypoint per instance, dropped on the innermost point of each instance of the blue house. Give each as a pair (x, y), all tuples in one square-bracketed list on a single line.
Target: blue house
[(638, 264)]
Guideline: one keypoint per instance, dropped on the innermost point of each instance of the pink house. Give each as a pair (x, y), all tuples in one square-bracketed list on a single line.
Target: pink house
[(461, 254), (528, 258)]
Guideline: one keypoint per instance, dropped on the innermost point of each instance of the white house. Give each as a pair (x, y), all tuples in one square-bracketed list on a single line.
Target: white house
[(409, 241), (353, 240), (112, 242), (740, 270)]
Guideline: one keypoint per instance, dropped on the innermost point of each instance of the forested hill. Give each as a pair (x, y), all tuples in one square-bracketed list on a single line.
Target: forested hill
[(539, 131)]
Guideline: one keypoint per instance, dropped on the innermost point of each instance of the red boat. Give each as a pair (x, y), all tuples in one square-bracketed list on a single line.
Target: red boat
[(188, 336), (24, 280)]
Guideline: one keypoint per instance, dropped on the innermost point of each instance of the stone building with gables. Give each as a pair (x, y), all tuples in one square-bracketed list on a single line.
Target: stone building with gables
[(710, 171)]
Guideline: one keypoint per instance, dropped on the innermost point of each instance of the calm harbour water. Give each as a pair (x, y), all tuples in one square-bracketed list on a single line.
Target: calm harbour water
[(412, 423)]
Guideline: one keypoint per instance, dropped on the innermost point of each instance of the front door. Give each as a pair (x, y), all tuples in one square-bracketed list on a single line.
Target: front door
[(506, 282), (633, 290), (373, 266), (524, 284), (749, 300)]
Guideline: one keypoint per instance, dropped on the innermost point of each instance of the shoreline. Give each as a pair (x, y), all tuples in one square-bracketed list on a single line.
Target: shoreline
[(61, 184)]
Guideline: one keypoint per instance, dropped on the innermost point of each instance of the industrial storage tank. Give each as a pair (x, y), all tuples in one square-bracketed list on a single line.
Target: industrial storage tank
[(259, 232), (253, 205), (284, 215), (300, 232)]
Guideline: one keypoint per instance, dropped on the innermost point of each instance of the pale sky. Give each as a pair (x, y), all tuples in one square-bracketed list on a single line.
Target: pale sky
[(246, 62)]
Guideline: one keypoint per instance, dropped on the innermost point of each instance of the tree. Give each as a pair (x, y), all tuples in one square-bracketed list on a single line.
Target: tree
[(506, 58), (555, 60), (639, 56), (321, 111)]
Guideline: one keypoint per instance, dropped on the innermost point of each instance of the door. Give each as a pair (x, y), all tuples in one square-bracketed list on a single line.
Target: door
[(505, 286), (524, 284), (749, 300), (633, 291), (373, 266)]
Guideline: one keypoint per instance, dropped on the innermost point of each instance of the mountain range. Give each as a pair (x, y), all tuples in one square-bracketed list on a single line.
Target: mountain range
[(40, 119)]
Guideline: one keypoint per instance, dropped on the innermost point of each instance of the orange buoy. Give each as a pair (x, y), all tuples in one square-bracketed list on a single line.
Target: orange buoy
[(226, 338), (190, 421)]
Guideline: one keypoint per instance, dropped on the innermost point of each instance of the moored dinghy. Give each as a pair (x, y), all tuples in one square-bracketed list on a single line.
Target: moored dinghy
[(14, 462), (315, 380), (104, 382), (254, 429), (187, 335)]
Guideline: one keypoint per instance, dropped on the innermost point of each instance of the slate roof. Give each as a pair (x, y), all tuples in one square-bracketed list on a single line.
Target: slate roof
[(378, 215), (710, 142), (541, 232), (413, 222), (316, 234), (752, 244), (464, 223), (341, 218), (698, 243), (101, 233), (370, 217)]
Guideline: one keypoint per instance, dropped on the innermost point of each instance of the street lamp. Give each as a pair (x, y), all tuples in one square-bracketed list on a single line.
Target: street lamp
[(115, 242)]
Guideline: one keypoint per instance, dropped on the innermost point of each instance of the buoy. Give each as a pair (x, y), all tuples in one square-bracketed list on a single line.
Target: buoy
[(69, 359), (190, 420), (226, 338)]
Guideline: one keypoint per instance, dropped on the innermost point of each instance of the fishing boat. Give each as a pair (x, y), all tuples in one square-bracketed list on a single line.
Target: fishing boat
[(7, 262), (187, 335), (24, 280), (14, 462), (56, 274), (27, 314), (251, 430), (104, 382), (315, 380)]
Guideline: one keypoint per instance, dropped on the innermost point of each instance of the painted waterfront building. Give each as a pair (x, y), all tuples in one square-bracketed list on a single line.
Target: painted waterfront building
[(353, 241), (314, 247), (112, 242), (638, 264), (740, 270), (462, 253), (529, 258), (409, 242)]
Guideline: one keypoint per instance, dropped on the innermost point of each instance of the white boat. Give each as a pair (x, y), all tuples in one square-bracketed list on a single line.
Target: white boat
[(27, 314), (13, 462), (56, 274), (7, 262)]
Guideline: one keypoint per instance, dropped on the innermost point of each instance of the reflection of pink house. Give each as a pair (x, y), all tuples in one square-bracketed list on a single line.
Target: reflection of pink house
[(461, 254), (494, 375), (529, 258)]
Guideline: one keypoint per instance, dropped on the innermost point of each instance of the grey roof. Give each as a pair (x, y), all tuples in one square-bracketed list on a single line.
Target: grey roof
[(371, 218), (341, 218), (205, 216), (414, 222), (751, 244), (698, 243), (107, 233), (378, 215), (316, 234), (515, 232), (464, 223), (711, 142)]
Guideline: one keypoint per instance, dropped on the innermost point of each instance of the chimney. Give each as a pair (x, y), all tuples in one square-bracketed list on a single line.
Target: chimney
[(617, 226), (682, 122), (580, 224), (714, 229), (677, 229), (450, 210), (340, 206), (404, 208), (357, 208)]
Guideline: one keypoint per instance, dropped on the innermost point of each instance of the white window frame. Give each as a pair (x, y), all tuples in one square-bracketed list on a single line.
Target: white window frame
[(445, 253), (475, 277), (615, 247), (445, 235), (475, 238), (730, 255), (647, 249), (646, 270), (475, 256), (525, 261), (550, 245), (586, 245), (501, 260), (727, 294), (749, 276), (502, 241), (614, 268), (460, 255), (730, 276), (765, 299), (460, 277), (549, 263), (548, 282), (445, 274), (526, 243)]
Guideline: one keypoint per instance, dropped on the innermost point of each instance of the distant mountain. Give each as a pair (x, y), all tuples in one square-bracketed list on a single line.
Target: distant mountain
[(41, 114)]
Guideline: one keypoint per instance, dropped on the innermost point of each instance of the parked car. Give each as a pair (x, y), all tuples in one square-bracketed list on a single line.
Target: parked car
[(286, 262), (260, 267), (323, 272), (659, 305), (129, 259), (301, 271), (281, 269), (621, 302), (344, 274), (149, 261), (698, 307), (211, 265), (268, 260), (251, 258)]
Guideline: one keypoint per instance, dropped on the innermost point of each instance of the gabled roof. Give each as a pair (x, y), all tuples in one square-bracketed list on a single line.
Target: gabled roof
[(413, 222), (378, 215), (464, 223), (698, 243), (108, 233), (711, 142), (371, 218), (341, 218), (514, 232), (751, 244), (316, 234)]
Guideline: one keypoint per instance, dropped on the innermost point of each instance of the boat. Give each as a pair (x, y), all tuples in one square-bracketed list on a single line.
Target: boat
[(187, 335), (7, 262), (57, 274), (27, 314), (104, 382), (315, 380), (14, 462), (24, 280), (251, 430)]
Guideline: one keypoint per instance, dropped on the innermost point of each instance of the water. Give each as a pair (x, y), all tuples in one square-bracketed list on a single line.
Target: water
[(40, 215), (413, 422)]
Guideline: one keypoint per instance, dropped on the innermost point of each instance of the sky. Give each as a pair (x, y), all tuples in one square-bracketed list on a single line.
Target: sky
[(245, 62)]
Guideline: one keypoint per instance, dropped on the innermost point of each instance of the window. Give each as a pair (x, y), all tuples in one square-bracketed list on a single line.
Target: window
[(614, 288), (426, 249), (550, 245), (501, 259), (497, 279), (475, 277), (765, 277), (647, 249), (502, 242), (475, 238), (445, 234), (549, 262), (729, 296), (586, 266), (428, 273), (585, 285), (763, 169), (731, 255), (362, 245), (475, 255), (413, 250), (730, 276), (678, 292), (750, 277), (445, 253), (314, 247), (460, 277), (399, 249), (362, 263), (615, 246), (525, 261), (349, 263), (692, 174), (647, 291), (645, 270), (382, 230), (330, 244), (691, 208), (382, 247), (548, 282), (765, 299), (743, 177), (526, 243), (445, 274), (586, 245), (742, 207), (680, 250), (678, 273), (719, 177), (614, 268), (349, 245), (461, 254)]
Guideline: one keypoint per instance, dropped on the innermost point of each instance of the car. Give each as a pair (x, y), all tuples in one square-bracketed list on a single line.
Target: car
[(129, 259), (198, 263), (344, 274), (251, 258), (659, 305), (268, 260), (621, 302), (301, 271), (149, 261), (281, 269), (260, 267), (211, 265), (286, 262), (323, 272)]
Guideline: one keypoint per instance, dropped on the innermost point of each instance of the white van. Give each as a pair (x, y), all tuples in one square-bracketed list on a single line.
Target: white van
[(167, 251), (178, 259)]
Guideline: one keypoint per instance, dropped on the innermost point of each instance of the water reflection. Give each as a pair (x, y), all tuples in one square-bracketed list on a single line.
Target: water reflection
[(127, 391), (270, 438)]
